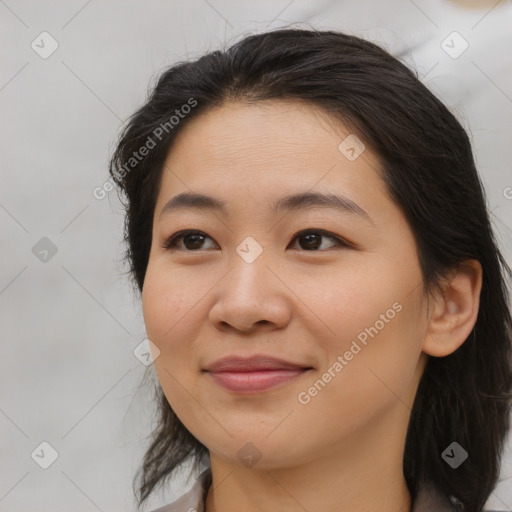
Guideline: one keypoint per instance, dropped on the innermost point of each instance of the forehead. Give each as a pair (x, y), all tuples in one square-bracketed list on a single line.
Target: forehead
[(261, 129), (271, 148), (286, 131)]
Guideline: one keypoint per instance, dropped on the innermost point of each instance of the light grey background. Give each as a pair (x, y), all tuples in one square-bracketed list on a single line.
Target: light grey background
[(69, 325)]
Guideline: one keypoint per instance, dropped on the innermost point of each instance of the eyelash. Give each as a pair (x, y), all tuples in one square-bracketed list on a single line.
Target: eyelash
[(173, 240)]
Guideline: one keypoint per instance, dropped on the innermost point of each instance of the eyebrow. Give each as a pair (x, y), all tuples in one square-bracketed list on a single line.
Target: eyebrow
[(291, 202)]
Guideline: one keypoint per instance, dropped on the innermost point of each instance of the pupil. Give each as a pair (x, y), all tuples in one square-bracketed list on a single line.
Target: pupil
[(311, 238), (197, 244)]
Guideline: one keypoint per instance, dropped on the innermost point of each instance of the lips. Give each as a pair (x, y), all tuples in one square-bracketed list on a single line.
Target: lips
[(240, 364), (255, 374)]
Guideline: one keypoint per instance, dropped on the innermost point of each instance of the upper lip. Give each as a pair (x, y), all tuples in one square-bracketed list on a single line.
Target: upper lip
[(255, 363)]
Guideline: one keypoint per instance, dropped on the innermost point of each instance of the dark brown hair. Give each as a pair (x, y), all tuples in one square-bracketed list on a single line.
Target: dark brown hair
[(430, 173)]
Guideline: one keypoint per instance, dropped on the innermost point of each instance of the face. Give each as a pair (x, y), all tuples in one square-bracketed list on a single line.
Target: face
[(334, 289)]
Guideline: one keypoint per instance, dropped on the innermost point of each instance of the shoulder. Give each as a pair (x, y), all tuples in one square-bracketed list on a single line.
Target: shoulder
[(194, 499), (431, 500), (427, 500)]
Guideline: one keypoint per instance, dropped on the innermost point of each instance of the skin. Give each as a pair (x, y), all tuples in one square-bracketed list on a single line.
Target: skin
[(342, 450)]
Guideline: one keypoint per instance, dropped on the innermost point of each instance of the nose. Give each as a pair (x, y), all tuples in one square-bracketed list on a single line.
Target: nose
[(251, 297)]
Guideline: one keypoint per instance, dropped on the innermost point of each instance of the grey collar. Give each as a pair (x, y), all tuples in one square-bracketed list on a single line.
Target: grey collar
[(194, 499)]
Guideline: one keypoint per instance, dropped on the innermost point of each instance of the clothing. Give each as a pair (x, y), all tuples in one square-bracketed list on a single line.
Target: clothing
[(194, 500)]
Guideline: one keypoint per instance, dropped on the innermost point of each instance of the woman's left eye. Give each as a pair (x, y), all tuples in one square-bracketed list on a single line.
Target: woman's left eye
[(312, 240)]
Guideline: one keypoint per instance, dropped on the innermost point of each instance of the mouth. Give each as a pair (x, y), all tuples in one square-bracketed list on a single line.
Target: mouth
[(254, 375)]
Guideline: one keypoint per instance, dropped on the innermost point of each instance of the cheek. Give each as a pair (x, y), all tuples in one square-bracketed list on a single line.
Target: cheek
[(348, 300), (173, 304), (370, 319), (380, 358), (166, 306), (371, 379), (167, 300)]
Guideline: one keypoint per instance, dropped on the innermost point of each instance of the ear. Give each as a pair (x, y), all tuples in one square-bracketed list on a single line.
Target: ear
[(456, 309)]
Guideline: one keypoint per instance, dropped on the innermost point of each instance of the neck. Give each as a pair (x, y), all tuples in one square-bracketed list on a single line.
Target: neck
[(362, 473)]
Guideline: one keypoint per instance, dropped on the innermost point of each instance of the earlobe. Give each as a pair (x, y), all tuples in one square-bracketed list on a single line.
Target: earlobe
[(455, 311)]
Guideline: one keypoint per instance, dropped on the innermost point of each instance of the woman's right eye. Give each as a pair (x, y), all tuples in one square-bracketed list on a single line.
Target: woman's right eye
[(192, 240)]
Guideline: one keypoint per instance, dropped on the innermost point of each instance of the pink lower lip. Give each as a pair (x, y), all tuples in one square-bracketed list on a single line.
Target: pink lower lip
[(254, 381)]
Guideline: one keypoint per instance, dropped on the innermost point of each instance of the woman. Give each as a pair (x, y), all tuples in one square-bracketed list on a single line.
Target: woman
[(325, 299)]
